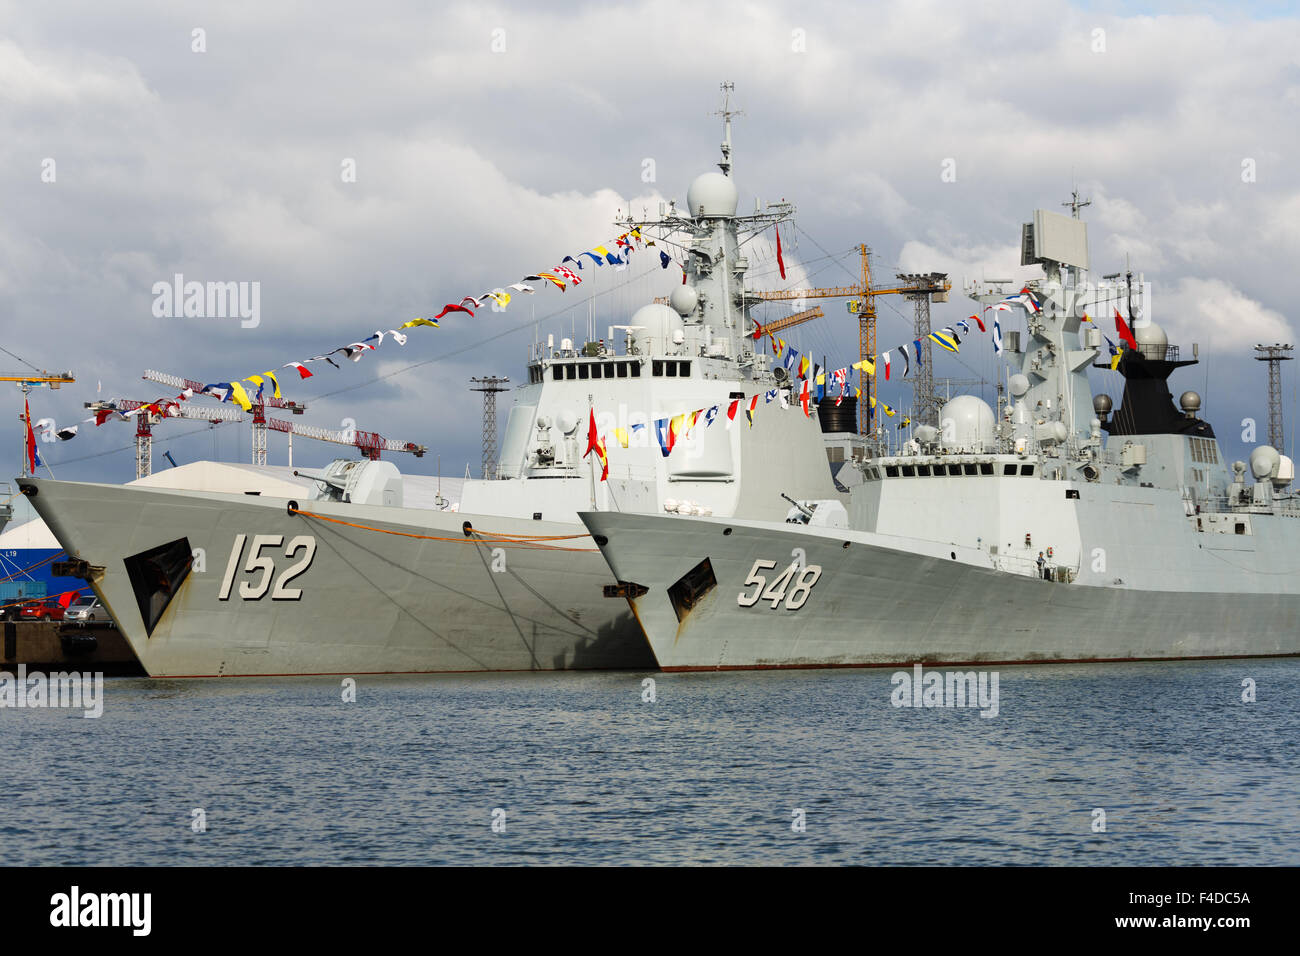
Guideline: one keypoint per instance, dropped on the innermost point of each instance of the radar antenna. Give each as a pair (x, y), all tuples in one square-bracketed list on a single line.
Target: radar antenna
[(727, 113)]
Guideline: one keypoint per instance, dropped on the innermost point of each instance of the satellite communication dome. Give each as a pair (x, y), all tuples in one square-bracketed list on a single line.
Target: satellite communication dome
[(1018, 384), (567, 421), (684, 300), (658, 323), (1264, 462), (1152, 335), (971, 421), (712, 194)]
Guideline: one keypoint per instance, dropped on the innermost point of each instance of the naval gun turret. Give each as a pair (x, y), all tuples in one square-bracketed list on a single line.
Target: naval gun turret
[(359, 482)]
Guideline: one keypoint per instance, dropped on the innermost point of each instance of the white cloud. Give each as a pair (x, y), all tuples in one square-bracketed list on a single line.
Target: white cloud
[(1218, 317)]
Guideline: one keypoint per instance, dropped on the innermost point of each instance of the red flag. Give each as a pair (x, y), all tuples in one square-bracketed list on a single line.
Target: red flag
[(31, 440), (593, 437), (456, 308), (979, 322), (303, 371), (780, 261), (803, 398), (731, 410), (1123, 330), (595, 444), (758, 331)]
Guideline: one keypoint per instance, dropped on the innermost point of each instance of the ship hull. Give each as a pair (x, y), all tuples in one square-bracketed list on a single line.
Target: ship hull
[(394, 590), (876, 606)]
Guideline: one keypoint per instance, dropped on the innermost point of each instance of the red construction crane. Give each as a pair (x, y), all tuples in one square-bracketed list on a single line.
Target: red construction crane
[(370, 443), (258, 412), (153, 413)]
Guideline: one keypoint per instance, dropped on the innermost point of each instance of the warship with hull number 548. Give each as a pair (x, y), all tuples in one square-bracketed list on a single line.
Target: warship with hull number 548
[(1059, 528)]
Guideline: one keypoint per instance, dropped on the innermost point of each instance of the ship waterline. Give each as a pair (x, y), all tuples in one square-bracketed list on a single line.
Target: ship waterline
[(330, 598), (874, 604)]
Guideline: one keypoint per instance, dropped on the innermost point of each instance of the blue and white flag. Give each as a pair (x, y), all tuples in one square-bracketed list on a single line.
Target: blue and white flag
[(710, 415), (997, 336)]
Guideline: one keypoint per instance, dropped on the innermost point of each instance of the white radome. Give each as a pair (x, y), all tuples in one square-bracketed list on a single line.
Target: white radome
[(684, 300), (657, 322), (1151, 334), (972, 422), (712, 194)]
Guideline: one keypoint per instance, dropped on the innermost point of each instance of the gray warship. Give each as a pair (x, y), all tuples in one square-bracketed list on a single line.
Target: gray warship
[(350, 580), (1056, 528)]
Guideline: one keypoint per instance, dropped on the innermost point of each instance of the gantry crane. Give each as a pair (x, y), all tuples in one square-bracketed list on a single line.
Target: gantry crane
[(259, 407), (151, 413), (370, 443), (862, 304)]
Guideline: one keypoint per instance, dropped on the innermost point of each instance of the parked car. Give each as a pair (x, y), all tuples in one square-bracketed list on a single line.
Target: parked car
[(86, 609), (48, 609)]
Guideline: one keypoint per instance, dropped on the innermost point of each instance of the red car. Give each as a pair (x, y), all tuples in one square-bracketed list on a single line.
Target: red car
[(47, 610)]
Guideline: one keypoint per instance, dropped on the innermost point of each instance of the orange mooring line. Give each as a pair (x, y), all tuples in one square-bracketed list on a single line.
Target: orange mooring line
[(481, 539)]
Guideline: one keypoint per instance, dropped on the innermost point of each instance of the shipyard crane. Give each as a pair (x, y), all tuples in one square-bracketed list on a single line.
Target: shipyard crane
[(151, 413), (40, 379), (259, 407), (790, 321), (370, 443), (862, 304)]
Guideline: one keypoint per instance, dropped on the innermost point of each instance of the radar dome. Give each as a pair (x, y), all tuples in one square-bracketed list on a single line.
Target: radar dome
[(1152, 335), (1189, 402), (971, 427), (1018, 384), (684, 300), (1264, 462), (712, 194), (657, 324), (1285, 473)]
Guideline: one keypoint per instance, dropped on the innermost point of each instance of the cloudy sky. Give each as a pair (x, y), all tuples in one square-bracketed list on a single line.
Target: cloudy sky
[(491, 139)]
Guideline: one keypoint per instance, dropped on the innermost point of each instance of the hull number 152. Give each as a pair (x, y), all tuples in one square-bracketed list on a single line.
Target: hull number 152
[(261, 566), (791, 586)]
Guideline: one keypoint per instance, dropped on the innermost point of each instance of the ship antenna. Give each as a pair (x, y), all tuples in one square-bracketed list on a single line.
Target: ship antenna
[(727, 113), (1076, 203)]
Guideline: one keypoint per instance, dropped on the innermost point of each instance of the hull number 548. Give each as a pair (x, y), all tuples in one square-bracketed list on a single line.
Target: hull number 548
[(790, 587)]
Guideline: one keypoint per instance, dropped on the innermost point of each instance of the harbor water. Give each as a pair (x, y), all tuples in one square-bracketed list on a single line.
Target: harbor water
[(1137, 764)]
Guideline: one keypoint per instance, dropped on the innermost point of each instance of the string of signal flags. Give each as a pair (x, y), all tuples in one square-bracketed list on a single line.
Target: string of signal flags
[(676, 429), (561, 277)]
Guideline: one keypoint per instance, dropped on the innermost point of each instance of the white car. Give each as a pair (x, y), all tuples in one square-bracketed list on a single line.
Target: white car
[(86, 609)]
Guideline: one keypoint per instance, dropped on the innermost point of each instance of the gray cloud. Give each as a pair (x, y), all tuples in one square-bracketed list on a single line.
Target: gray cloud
[(477, 167)]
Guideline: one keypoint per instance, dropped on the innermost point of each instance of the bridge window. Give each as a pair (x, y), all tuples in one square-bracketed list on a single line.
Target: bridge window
[(986, 468), (891, 471), (1026, 469), (622, 370), (923, 471), (1008, 469)]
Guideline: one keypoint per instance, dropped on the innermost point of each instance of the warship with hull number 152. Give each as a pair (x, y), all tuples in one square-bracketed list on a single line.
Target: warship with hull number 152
[(352, 580), (1157, 548)]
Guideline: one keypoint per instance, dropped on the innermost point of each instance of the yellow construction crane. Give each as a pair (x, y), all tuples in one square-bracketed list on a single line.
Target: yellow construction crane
[(790, 321), (37, 379), (863, 305), (52, 379)]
